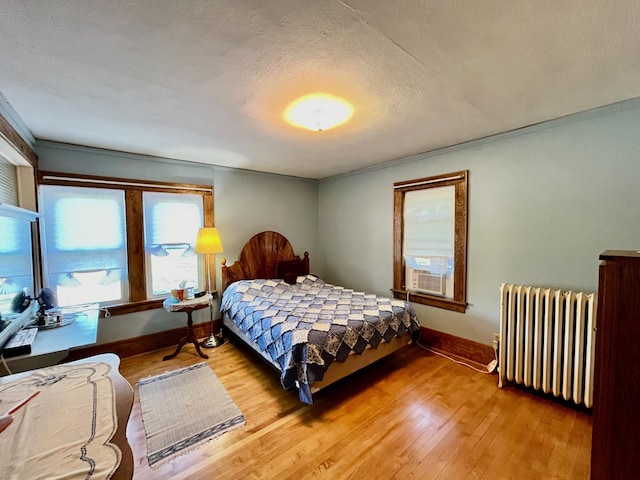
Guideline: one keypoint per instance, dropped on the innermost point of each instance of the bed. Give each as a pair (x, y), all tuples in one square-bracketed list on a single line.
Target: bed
[(312, 332)]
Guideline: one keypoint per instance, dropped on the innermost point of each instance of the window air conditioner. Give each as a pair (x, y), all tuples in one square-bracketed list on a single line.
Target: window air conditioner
[(421, 280)]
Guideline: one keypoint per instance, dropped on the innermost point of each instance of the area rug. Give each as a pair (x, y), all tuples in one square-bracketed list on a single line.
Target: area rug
[(184, 408)]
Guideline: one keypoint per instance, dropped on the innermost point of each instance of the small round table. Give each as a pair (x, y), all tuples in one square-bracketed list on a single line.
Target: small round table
[(188, 306)]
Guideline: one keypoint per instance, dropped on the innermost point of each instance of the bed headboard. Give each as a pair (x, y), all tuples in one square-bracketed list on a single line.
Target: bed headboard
[(265, 255)]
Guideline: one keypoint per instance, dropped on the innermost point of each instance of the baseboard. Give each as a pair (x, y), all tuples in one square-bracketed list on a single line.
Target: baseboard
[(442, 342), (146, 343), (458, 347)]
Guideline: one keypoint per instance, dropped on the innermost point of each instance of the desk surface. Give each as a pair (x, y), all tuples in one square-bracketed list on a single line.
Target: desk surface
[(53, 344)]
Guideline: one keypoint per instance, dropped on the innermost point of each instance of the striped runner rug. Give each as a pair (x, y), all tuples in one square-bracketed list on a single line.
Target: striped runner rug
[(184, 408)]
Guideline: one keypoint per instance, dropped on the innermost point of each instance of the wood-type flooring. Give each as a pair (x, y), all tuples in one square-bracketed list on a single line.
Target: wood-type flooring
[(412, 415)]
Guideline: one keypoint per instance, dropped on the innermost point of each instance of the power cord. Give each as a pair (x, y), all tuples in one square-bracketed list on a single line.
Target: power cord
[(489, 368)]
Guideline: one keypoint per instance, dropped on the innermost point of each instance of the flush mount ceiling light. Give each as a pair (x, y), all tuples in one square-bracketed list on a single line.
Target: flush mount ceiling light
[(318, 112)]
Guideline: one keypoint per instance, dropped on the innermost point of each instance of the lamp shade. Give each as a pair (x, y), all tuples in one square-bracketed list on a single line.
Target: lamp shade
[(208, 241)]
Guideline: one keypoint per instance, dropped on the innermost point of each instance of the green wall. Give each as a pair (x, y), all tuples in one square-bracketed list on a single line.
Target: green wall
[(245, 203), (544, 202)]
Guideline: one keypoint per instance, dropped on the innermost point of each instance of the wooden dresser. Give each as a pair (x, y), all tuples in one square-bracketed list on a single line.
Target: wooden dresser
[(615, 452)]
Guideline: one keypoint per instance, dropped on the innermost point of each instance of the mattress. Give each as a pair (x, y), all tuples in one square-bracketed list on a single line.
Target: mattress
[(304, 327)]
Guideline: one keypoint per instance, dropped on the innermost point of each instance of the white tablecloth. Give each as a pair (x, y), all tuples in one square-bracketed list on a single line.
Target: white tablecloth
[(64, 431), (172, 305)]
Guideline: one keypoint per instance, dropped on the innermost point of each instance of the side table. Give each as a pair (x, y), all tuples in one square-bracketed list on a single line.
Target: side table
[(188, 306)]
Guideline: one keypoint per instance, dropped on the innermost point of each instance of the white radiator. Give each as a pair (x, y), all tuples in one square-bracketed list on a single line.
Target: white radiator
[(547, 340)]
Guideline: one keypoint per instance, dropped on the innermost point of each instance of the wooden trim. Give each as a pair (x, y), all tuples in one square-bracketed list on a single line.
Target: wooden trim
[(207, 201), (398, 240), (135, 246), (434, 181), (431, 300), (146, 343), (134, 211), (209, 260), (97, 181), (132, 307), (458, 347), (460, 243), (459, 180), (14, 138)]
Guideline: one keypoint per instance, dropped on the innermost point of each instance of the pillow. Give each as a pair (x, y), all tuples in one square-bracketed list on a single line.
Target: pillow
[(288, 270), (290, 278)]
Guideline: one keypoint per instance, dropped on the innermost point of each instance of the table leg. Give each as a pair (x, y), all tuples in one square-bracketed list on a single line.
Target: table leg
[(183, 341), (190, 338), (197, 345)]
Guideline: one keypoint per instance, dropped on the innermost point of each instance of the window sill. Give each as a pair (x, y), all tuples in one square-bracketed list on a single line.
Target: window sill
[(141, 306), (431, 300), (132, 307)]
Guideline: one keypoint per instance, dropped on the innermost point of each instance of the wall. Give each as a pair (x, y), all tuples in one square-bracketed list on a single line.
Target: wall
[(544, 202), (245, 203)]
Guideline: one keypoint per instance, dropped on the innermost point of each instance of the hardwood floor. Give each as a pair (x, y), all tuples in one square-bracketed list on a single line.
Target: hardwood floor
[(413, 415)]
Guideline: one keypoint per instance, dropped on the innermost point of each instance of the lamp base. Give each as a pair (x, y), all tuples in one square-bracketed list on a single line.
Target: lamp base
[(213, 341)]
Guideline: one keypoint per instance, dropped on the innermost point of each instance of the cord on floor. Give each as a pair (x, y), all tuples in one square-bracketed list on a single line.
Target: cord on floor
[(489, 368)]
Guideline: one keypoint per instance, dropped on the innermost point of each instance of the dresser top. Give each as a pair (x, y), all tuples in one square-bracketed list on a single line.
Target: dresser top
[(610, 254)]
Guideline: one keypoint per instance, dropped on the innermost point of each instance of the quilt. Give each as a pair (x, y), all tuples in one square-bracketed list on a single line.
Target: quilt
[(306, 326)]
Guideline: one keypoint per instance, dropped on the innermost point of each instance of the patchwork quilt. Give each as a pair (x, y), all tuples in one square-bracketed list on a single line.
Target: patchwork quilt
[(306, 326)]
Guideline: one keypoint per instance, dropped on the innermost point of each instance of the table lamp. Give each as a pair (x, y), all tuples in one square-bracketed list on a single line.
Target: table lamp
[(208, 243)]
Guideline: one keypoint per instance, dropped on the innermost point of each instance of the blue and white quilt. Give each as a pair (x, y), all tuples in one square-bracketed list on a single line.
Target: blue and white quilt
[(304, 327)]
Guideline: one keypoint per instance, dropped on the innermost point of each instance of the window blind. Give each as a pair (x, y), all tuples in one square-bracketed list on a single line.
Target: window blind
[(171, 224), (84, 232), (429, 222), (8, 182), (171, 218)]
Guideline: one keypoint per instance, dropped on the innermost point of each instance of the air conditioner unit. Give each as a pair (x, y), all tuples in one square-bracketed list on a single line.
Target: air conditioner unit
[(421, 280)]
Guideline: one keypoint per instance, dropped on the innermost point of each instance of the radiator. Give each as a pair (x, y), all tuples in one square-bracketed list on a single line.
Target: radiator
[(547, 340)]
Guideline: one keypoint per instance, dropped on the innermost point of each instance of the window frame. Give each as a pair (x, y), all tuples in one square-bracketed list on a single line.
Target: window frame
[(134, 224), (459, 180)]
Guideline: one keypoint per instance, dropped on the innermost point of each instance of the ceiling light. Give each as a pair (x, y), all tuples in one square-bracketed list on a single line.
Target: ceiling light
[(318, 112)]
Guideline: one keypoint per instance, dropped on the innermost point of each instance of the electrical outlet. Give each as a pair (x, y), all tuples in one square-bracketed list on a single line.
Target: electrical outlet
[(496, 341)]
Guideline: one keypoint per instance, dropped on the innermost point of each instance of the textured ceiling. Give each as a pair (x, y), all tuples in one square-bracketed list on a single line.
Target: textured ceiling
[(208, 80)]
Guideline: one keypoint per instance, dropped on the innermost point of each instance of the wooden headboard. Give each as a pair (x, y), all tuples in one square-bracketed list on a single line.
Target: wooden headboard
[(265, 255)]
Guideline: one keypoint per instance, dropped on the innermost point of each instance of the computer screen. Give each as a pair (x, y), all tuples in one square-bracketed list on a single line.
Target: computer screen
[(17, 284)]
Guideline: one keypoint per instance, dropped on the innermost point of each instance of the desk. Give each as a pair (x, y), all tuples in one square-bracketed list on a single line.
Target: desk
[(187, 306), (53, 344)]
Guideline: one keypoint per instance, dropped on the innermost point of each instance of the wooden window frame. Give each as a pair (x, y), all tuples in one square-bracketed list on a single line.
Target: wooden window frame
[(136, 258), (459, 181)]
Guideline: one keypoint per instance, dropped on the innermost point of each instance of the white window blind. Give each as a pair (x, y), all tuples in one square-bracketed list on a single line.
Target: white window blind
[(171, 224), (429, 222), (8, 182), (429, 233), (171, 218), (84, 242)]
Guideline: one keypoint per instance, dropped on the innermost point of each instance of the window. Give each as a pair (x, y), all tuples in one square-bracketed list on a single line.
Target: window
[(16, 265), (430, 241), (84, 243), (171, 227), (124, 244)]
